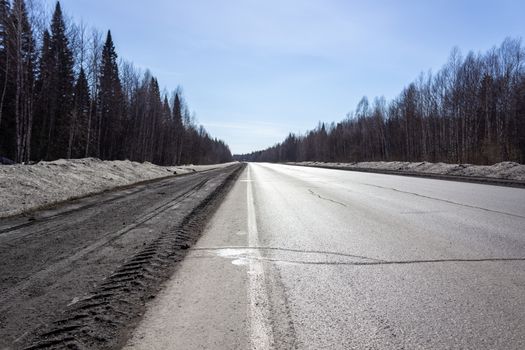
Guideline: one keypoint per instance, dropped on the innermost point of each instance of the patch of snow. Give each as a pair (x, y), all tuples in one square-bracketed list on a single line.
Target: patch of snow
[(503, 170), (25, 187)]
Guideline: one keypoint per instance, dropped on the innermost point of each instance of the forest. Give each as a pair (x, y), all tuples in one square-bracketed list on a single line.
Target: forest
[(471, 111), (64, 93)]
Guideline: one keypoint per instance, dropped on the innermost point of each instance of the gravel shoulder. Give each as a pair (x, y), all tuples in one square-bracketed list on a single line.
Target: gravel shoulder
[(78, 276)]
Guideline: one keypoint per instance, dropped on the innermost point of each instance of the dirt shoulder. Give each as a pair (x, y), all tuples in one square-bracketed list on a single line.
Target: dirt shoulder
[(30, 187), (504, 173), (80, 279)]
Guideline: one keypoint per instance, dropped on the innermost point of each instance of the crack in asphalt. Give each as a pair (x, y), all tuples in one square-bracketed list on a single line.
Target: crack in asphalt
[(394, 262), (444, 200), (324, 198), (372, 261), (287, 250)]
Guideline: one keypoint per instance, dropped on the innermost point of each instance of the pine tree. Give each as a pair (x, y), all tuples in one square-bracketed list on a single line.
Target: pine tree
[(179, 129), (60, 88), (166, 132), (110, 106), (78, 131), (155, 113), (44, 104)]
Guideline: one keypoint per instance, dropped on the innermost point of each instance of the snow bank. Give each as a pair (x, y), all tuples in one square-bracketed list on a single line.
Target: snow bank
[(24, 187), (503, 170)]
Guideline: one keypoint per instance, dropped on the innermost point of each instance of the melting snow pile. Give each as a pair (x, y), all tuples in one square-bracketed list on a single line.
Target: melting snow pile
[(503, 170), (23, 187)]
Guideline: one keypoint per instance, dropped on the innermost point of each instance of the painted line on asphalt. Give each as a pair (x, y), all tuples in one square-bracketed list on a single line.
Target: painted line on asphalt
[(261, 331)]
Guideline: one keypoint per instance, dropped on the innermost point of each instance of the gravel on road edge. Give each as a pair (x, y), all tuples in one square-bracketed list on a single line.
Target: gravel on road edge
[(105, 319)]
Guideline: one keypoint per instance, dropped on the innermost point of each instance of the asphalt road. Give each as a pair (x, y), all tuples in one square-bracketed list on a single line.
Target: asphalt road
[(306, 258)]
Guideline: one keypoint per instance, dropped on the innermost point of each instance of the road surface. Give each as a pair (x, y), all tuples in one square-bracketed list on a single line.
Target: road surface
[(305, 258)]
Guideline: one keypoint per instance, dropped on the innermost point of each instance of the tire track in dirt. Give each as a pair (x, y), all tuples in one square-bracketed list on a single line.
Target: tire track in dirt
[(104, 318), (109, 237)]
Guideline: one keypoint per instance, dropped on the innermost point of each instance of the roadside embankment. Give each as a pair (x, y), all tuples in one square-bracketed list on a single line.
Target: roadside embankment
[(27, 187), (504, 173)]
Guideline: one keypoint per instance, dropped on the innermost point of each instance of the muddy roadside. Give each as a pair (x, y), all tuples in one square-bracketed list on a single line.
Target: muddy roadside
[(80, 280)]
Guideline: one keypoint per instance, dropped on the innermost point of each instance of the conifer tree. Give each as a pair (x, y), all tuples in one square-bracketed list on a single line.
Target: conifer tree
[(166, 132), (110, 103), (78, 130), (60, 88), (43, 101), (179, 129), (154, 115)]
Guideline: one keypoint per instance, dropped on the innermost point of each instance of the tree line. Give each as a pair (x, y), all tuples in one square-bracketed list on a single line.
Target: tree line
[(65, 94), (471, 111)]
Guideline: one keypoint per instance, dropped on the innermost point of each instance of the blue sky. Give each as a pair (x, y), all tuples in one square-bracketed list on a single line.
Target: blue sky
[(254, 70)]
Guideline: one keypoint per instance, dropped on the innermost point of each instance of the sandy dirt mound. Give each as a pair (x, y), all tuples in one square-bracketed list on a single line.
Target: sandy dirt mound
[(503, 170), (25, 187)]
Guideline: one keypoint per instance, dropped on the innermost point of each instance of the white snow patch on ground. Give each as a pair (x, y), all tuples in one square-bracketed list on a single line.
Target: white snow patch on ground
[(503, 170), (25, 187)]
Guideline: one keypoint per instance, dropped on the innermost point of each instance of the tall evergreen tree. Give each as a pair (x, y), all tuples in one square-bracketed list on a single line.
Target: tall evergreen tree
[(60, 88), (154, 115), (166, 131), (179, 129), (78, 131), (110, 108), (44, 104)]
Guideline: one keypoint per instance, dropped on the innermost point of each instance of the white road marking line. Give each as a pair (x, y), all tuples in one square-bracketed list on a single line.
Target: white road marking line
[(261, 332)]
